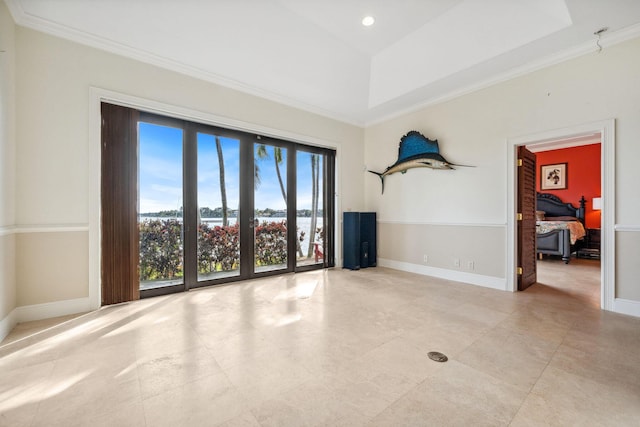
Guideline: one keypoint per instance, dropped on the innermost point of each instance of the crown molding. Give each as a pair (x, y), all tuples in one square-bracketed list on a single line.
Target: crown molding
[(609, 40), (26, 20), (33, 22)]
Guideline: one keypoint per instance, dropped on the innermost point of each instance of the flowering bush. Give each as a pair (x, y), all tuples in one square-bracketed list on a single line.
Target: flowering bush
[(161, 247), (218, 248), (271, 243)]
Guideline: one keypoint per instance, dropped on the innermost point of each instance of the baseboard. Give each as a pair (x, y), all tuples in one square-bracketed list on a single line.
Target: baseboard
[(442, 273), (626, 306), (8, 323), (47, 310)]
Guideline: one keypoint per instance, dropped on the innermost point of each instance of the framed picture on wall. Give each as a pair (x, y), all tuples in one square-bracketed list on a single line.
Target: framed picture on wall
[(553, 177)]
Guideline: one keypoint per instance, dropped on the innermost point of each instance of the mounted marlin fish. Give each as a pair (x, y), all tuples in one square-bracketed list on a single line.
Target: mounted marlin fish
[(416, 151)]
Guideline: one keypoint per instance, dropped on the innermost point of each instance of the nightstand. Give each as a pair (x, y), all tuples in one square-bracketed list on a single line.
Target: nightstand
[(591, 249)]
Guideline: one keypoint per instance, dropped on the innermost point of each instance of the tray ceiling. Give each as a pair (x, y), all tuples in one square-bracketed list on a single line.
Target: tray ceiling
[(316, 54)]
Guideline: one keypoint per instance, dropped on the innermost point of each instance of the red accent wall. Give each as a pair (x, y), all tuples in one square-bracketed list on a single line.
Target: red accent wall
[(583, 177)]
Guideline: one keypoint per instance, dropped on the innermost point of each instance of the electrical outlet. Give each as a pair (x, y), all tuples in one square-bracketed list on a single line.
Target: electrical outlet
[(471, 265), (456, 262), (425, 259)]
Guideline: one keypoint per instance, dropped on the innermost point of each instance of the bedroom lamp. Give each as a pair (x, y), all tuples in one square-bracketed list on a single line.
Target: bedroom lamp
[(597, 203)]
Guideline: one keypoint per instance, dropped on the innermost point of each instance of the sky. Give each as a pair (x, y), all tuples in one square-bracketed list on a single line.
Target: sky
[(160, 172)]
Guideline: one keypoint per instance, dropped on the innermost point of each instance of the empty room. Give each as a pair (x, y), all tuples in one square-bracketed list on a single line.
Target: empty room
[(319, 213)]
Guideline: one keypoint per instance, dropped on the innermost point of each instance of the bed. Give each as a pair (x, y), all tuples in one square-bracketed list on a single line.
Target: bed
[(559, 226)]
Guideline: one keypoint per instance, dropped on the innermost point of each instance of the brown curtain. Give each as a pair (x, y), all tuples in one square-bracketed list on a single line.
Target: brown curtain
[(119, 178)]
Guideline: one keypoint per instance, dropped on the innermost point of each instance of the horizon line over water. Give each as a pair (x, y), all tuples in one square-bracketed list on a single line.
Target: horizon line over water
[(303, 223), (230, 219)]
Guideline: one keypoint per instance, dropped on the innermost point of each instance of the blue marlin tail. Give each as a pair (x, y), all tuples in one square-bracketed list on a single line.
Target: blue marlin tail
[(416, 151), (381, 175)]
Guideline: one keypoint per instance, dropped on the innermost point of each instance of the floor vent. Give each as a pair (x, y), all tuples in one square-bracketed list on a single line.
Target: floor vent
[(437, 356)]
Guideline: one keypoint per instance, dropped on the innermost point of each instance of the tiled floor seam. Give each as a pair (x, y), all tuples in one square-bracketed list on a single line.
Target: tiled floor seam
[(536, 381)]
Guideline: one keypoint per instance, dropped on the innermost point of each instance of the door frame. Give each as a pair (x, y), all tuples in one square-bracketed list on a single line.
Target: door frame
[(606, 129), (98, 95)]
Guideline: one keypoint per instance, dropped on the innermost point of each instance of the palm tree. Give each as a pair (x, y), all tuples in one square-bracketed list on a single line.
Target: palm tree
[(277, 157), (315, 193), (223, 185), (261, 153)]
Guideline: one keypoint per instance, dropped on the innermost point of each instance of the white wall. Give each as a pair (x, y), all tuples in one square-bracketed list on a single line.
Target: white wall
[(55, 171), (445, 215), (53, 84), (473, 129), (7, 171)]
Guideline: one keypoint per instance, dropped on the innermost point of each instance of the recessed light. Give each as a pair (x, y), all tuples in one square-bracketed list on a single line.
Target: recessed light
[(368, 21)]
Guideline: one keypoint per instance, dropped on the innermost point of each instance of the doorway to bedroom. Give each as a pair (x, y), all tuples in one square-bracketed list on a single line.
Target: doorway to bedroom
[(568, 216)]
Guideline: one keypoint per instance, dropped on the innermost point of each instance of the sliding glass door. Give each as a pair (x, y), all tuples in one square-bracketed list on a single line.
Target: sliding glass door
[(217, 205), (310, 208), (160, 206), (270, 227)]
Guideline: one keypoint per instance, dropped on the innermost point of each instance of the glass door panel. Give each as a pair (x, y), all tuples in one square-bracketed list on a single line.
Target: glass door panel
[(218, 207), (160, 212), (310, 208), (199, 220), (270, 208)]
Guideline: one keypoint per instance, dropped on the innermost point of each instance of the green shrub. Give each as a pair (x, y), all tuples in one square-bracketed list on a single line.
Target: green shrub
[(161, 247), (271, 243)]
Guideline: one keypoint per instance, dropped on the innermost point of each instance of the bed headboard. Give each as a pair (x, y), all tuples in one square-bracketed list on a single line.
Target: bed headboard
[(553, 206)]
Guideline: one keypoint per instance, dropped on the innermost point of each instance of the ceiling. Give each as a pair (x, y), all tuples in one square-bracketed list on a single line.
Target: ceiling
[(316, 54)]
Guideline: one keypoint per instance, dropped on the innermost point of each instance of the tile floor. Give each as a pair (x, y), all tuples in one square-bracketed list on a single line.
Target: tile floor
[(334, 348)]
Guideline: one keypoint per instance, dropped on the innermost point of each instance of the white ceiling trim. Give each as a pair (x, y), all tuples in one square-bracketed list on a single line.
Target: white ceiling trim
[(26, 20), (606, 41), (434, 60), (33, 22)]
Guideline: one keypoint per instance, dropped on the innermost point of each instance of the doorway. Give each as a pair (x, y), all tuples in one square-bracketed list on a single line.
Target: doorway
[(566, 172), (213, 205), (605, 130)]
